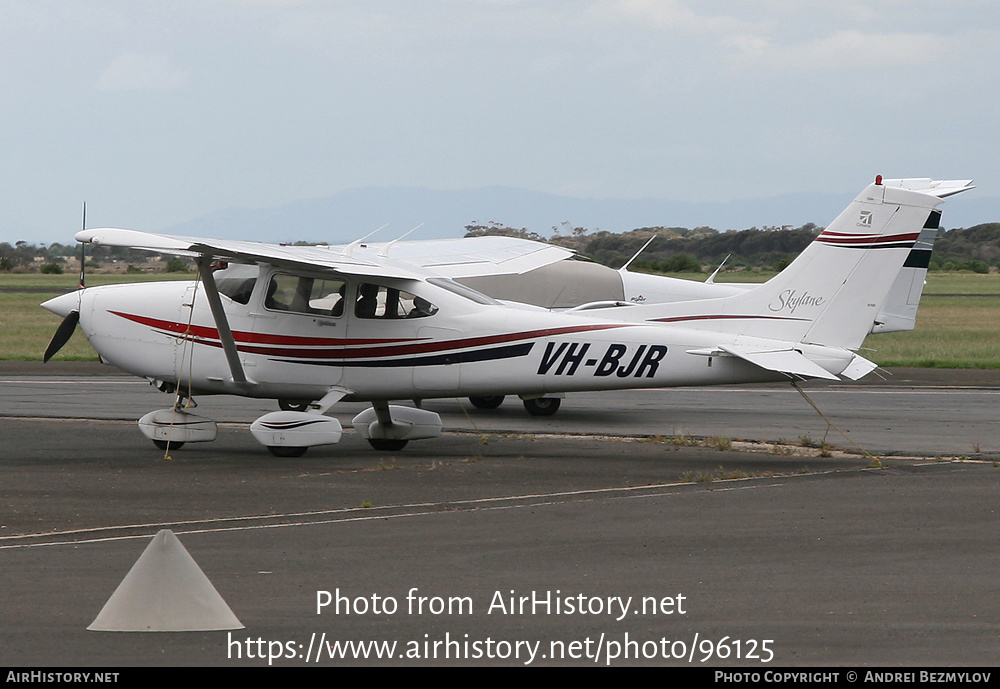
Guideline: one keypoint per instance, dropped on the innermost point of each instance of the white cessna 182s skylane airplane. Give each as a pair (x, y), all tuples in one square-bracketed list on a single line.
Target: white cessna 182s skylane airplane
[(384, 322)]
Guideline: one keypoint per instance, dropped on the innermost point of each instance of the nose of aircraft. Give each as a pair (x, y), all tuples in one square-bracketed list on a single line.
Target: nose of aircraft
[(62, 305)]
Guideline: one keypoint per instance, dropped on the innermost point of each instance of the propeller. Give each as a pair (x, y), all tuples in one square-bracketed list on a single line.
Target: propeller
[(69, 323), (63, 333)]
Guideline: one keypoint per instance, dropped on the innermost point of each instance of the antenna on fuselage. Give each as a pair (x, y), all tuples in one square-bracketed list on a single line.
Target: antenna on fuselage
[(711, 278), (384, 253), (624, 268), (357, 242)]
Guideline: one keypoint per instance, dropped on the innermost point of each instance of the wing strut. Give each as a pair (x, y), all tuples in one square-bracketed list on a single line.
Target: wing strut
[(221, 323)]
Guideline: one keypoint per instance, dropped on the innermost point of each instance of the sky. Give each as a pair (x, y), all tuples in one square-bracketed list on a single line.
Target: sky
[(155, 113)]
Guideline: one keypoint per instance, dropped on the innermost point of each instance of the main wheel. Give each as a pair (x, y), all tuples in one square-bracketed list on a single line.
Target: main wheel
[(164, 444), (387, 444), (487, 402), (542, 406), (286, 451), (293, 405)]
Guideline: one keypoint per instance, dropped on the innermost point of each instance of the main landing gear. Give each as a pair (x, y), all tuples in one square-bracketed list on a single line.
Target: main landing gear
[(542, 406), (293, 405), (302, 424), (289, 433), (536, 406), (389, 427)]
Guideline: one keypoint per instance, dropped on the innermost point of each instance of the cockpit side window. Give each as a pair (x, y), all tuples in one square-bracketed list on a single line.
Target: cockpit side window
[(236, 281), (379, 301), (307, 295)]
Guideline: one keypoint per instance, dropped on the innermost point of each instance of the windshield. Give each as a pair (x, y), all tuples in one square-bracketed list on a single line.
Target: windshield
[(236, 281)]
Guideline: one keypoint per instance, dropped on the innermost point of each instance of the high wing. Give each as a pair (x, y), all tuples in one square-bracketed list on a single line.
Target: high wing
[(471, 256), (441, 257)]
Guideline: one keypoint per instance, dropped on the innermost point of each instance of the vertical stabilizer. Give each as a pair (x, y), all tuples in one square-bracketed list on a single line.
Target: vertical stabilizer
[(832, 292), (896, 221)]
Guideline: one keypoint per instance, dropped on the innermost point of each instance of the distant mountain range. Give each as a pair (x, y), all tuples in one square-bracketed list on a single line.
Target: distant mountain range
[(354, 213)]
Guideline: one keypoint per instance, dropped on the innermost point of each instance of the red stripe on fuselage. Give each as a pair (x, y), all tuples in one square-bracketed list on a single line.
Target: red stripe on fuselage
[(348, 348), (426, 347), (205, 332), (721, 317)]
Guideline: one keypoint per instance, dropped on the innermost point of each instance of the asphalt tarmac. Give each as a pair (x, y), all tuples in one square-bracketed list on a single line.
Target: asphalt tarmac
[(515, 540)]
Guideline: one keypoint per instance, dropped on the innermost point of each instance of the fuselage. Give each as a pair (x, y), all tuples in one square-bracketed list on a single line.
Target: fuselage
[(300, 334)]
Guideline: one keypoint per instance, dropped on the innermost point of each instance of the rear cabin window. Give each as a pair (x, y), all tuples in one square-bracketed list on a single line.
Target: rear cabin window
[(308, 295), (378, 301)]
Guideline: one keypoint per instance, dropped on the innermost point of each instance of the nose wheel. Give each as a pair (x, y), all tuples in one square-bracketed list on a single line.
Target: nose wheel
[(166, 444), (387, 444)]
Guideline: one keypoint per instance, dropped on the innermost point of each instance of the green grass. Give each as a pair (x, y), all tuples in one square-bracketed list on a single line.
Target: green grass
[(951, 332), (27, 328), (961, 283)]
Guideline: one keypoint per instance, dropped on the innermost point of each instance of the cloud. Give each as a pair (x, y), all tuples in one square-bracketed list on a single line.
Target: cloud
[(134, 72), (840, 50), (670, 16)]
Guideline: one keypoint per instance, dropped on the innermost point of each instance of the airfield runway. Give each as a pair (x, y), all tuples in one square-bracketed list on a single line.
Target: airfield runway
[(761, 559)]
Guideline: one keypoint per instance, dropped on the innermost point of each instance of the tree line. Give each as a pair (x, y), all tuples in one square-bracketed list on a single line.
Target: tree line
[(675, 249), (679, 249), (23, 257)]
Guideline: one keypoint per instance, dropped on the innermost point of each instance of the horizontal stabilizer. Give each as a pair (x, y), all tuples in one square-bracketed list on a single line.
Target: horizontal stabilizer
[(942, 188), (787, 361), (858, 368)]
